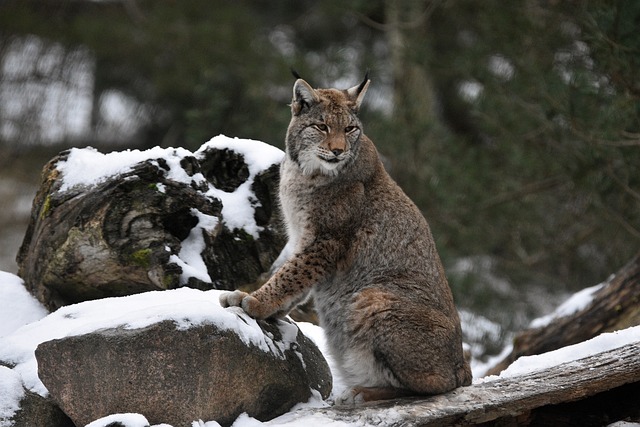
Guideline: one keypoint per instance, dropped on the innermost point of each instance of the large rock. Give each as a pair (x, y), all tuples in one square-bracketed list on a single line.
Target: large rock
[(129, 222), (176, 376)]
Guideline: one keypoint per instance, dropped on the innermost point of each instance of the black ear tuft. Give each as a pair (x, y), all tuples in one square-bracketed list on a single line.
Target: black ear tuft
[(364, 82), (295, 74), (356, 93)]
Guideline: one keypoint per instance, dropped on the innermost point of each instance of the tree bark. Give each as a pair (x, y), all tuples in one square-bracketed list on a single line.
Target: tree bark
[(615, 306)]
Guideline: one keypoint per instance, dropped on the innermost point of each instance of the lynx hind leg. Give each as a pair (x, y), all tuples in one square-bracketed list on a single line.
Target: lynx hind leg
[(425, 358), (416, 350), (355, 395)]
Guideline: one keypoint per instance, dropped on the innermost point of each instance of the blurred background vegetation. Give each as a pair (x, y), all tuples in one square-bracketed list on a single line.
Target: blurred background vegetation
[(514, 125)]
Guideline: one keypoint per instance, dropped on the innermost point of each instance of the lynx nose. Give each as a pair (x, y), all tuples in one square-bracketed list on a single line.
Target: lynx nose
[(337, 151)]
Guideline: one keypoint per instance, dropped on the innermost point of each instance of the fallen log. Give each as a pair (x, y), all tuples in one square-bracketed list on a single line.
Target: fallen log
[(615, 306), (593, 391)]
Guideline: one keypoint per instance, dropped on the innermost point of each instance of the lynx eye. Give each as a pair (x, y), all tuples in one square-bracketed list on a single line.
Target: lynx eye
[(321, 127), (350, 129)]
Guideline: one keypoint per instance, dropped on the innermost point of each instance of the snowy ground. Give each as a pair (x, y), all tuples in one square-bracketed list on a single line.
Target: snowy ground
[(24, 323)]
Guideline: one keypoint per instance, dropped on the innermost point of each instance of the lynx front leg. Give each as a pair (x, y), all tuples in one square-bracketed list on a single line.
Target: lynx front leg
[(289, 286)]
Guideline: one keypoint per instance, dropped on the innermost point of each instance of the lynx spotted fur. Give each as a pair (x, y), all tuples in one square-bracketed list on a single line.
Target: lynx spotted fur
[(365, 253)]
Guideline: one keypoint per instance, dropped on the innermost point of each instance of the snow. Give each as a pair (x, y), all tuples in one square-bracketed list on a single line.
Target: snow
[(289, 420), (470, 90), (88, 167), (575, 303), (11, 392), (127, 420), (189, 307), (17, 306), (477, 331), (238, 206), (599, 344), (316, 334), (258, 155), (573, 353), (185, 306), (189, 258)]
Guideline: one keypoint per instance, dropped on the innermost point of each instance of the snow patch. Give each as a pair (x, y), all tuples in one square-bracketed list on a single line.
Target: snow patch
[(578, 301), (257, 155), (603, 342), (11, 393), (126, 420), (17, 306), (239, 205), (316, 334), (88, 167), (190, 256)]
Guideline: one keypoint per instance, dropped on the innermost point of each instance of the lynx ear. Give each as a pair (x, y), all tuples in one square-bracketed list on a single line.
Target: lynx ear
[(356, 93), (303, 97)]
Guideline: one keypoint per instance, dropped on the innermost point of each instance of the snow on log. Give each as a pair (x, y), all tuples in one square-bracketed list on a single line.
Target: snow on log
[(613, 305)]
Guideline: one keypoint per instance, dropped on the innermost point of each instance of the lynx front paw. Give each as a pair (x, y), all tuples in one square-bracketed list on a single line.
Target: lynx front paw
[(232, 299), (249, 304)]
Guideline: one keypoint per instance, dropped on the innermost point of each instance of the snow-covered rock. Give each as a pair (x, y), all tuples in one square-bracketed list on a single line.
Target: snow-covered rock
[(174, 356), (133, 221)]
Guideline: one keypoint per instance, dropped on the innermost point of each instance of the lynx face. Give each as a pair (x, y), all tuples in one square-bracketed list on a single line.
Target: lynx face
[(324, 132)]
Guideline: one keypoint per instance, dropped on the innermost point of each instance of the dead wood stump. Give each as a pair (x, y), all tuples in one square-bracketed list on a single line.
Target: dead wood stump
[(129, 232)]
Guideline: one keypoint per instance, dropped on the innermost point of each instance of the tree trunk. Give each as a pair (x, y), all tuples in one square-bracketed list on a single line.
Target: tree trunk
[(418, 130), (615, 306), (414, 98)]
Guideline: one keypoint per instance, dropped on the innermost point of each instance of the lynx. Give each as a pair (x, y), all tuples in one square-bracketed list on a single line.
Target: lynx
[(365, 253)]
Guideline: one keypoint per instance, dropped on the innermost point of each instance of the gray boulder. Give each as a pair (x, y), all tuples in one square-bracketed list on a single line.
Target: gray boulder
[(178, 376)]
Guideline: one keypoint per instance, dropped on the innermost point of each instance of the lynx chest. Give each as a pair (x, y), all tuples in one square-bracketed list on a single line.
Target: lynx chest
[(296, 200)]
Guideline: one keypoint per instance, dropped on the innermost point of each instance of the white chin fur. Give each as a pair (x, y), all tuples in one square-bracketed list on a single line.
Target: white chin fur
[(311, 164)]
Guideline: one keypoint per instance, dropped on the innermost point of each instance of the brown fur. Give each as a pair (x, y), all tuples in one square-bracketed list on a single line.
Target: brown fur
[(365, 252)]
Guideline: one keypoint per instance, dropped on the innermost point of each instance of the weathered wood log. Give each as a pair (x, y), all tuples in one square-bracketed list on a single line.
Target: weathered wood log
[(593, 391), (615, 306), (125, 235)]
